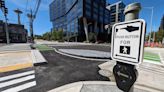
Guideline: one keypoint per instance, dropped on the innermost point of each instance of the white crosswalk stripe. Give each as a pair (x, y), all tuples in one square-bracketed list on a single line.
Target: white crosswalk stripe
[(16, 75), (21, 87), (17, 82)]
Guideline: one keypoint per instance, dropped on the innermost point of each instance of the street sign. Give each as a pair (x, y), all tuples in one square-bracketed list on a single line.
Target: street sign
[(128, 41)]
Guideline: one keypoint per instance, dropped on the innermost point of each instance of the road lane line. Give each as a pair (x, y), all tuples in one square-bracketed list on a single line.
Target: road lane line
[(21, 87), (16, 75), (8, 83)]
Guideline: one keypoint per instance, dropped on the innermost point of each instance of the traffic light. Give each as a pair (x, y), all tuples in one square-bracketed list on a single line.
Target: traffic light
[(6, 10), (2, 3)]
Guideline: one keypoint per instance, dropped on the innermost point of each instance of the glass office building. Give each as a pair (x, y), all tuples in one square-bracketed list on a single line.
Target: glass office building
[(57, 14), (162, 24), (80, 18)]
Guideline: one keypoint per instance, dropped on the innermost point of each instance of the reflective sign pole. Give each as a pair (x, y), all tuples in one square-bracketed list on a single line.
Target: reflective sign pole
[(126, 74)]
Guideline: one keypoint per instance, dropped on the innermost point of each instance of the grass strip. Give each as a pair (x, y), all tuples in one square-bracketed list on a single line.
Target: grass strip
[(43, 48)]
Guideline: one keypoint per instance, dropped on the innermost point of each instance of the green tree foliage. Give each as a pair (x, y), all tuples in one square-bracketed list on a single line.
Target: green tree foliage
[(38, 37), (160, 35), (56, 35), (46, 36), (60, 35)]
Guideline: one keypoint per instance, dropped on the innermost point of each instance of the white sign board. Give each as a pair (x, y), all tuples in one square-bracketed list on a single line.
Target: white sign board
[(128, 41)]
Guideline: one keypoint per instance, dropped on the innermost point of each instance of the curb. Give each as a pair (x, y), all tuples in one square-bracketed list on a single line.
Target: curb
[(79, 57), (162, 59), (77, 85), (86, 56), (35, 54)]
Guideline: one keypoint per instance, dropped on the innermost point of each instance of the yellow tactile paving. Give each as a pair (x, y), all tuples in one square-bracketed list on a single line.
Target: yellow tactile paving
[(15, 67), (11, 61)]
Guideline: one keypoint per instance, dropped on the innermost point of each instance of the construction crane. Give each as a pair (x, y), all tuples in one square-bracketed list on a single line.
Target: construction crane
[(32, 16)]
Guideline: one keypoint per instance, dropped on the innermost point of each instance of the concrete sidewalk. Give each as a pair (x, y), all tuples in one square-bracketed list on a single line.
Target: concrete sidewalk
[(10, 61), (18, 56), (97, 86), (15, 47)]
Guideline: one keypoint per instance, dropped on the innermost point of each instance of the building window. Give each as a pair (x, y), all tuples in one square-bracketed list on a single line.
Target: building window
[(88, 13), (88, 1)]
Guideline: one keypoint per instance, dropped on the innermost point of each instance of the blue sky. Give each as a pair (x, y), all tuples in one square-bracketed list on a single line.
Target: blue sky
[(42, 23)]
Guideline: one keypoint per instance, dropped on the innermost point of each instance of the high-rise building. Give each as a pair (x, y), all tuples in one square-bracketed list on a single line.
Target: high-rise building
[(116, 15), (79, 18), (116, 12), (162, 24)]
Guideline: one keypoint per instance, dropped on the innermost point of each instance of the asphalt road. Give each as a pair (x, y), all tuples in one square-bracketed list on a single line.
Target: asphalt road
[(62, 70), (104, 48)]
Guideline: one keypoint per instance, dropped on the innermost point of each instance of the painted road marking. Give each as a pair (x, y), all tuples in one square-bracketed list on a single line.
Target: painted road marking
[(15, 67), (16, 75), (8, 83), (21, 87)]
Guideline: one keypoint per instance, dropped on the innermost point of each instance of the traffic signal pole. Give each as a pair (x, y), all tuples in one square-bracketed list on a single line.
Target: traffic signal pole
[(6, 29), (31, 19), (5, 12)]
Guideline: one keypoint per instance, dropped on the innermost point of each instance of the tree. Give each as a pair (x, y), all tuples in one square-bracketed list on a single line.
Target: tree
[(54, 35), (60, 35), (160, 35), (46, 36), (38, 37)]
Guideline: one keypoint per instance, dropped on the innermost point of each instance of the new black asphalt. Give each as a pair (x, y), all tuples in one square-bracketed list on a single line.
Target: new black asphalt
[(62, 70)]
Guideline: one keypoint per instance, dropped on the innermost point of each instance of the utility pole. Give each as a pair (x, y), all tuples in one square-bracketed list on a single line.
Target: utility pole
[(31, 19), (18, 12), (5, 12)]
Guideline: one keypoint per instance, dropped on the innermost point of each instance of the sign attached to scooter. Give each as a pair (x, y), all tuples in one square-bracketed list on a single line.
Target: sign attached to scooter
[(128, 41)]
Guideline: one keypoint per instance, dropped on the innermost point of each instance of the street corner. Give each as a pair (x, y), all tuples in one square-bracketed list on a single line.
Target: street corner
[(11, 61)]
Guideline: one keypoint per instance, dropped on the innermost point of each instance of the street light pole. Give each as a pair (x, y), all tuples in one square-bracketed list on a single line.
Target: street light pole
[(18, 12), (151, 22)]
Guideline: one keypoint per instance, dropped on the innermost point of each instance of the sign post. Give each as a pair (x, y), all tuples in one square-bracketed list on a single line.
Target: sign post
[(127, 47)]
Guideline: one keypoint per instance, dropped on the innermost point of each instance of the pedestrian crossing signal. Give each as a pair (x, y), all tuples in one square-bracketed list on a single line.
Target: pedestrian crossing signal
[(125, 50)]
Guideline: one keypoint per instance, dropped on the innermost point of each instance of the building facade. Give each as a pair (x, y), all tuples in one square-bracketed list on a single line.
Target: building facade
[(116, 16), (116, 12), (82, 20), (17, 33), (162, 24)]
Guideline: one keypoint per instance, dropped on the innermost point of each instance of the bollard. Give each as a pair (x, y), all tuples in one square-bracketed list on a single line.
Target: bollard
[(131, 13)]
